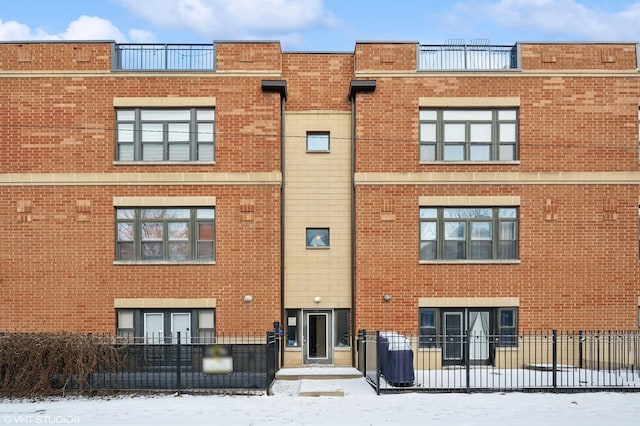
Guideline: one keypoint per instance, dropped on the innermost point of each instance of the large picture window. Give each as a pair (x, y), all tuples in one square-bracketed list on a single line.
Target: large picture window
[(165, 234), (156, 135), (468, 135), (477, 233)]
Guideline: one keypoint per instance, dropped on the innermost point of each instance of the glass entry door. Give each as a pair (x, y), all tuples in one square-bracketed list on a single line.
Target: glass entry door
[(452, 327), (479, 336), (317, 338)]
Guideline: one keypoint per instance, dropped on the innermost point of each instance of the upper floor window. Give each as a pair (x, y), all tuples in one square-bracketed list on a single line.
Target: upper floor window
[(165, 234), (317, 142), (468, 134), (184, 134), (468, 233), (317, 237)]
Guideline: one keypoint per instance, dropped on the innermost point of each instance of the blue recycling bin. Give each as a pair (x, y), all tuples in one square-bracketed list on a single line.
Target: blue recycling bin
[(395, 359)]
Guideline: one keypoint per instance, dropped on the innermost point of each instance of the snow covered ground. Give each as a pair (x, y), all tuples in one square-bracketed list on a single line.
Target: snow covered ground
[(359, 406)]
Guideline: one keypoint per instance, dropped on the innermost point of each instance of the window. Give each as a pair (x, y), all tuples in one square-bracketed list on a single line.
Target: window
[(159, 326), (165, 134), (165, 234), (507, 329), (468, 135), (428, 328), (477, 233), (292, 327), (342, 334), (317, 142), (317, 237)]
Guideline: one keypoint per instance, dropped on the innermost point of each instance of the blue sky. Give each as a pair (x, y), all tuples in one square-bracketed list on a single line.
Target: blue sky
[(317, 25)]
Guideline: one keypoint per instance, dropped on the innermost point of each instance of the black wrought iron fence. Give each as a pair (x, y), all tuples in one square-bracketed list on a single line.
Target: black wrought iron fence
[(472, 362), (241, 362)]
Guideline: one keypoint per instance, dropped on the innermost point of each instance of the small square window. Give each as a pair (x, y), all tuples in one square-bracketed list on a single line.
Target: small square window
[(317, 237), (317, 142)]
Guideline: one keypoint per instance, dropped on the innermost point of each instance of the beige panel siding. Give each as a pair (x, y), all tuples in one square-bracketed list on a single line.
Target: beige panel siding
[(317, 195)]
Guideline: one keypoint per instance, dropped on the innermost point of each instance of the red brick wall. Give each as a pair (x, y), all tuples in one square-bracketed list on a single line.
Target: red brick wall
[(56, 56), (317, 82), (58, 273), (572, 123), (386, 56), (578, 271), (65, 124), (572, 56), (248, 56)]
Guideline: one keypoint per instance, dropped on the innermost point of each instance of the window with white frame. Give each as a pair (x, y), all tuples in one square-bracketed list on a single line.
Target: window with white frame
[(157, 135), (159, 326), (165, 234), (468, 134), (478, 233)]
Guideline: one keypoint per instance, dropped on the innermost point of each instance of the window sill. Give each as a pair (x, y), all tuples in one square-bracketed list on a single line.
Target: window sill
[(293, 349), (342, 348), (430, 349), (164, 163), (506, 348), (318, 247), (470, 163), (163, 262), (471, 262)]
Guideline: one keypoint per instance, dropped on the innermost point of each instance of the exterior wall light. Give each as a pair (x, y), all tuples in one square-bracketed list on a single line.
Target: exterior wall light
[(317, 299), (248, 298), (386, 297)]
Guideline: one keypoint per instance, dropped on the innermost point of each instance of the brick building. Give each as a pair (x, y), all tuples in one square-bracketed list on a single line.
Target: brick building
[(146, 190)]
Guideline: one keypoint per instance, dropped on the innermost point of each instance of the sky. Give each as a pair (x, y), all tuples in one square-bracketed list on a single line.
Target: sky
[(321, 25), (359, 406)]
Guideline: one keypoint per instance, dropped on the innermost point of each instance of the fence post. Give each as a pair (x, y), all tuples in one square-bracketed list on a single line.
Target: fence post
[(555, 359), (178, 366), (466, 341), (377, 363), (363, 348), (580, 349)]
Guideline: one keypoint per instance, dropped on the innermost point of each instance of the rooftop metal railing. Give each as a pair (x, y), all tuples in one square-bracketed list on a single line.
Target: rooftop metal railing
[(165, 57), (459, 56)]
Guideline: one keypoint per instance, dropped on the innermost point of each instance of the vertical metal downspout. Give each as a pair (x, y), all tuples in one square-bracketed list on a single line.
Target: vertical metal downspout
[(282, 309), (353, 231)]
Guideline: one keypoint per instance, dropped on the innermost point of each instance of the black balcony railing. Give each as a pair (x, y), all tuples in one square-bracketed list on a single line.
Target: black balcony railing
[(472, 362), (459, 56), (165, 57)]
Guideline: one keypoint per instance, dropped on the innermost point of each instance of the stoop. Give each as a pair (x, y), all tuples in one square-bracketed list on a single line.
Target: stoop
[(319, 381)]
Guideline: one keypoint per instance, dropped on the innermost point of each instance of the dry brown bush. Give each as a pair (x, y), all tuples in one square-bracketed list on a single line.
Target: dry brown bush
[(41, 364)]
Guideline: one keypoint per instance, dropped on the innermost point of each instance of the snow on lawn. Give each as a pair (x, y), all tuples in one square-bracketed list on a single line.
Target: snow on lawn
[(359, 406)]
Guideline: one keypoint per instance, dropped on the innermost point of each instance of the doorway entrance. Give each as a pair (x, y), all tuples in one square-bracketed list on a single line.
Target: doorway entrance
[(478, 324), (317, 347)]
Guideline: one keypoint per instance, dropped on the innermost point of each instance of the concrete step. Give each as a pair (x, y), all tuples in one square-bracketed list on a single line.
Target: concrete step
[(320, 388), (318, 373)]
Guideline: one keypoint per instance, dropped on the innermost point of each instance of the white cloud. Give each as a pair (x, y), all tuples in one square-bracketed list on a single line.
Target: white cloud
[(92, 28), (141, 36), (83, 28), (562, 19), (237, 19), (13, 30)]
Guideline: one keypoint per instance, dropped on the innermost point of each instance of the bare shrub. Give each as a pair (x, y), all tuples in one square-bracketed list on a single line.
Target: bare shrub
[(41, 364)]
